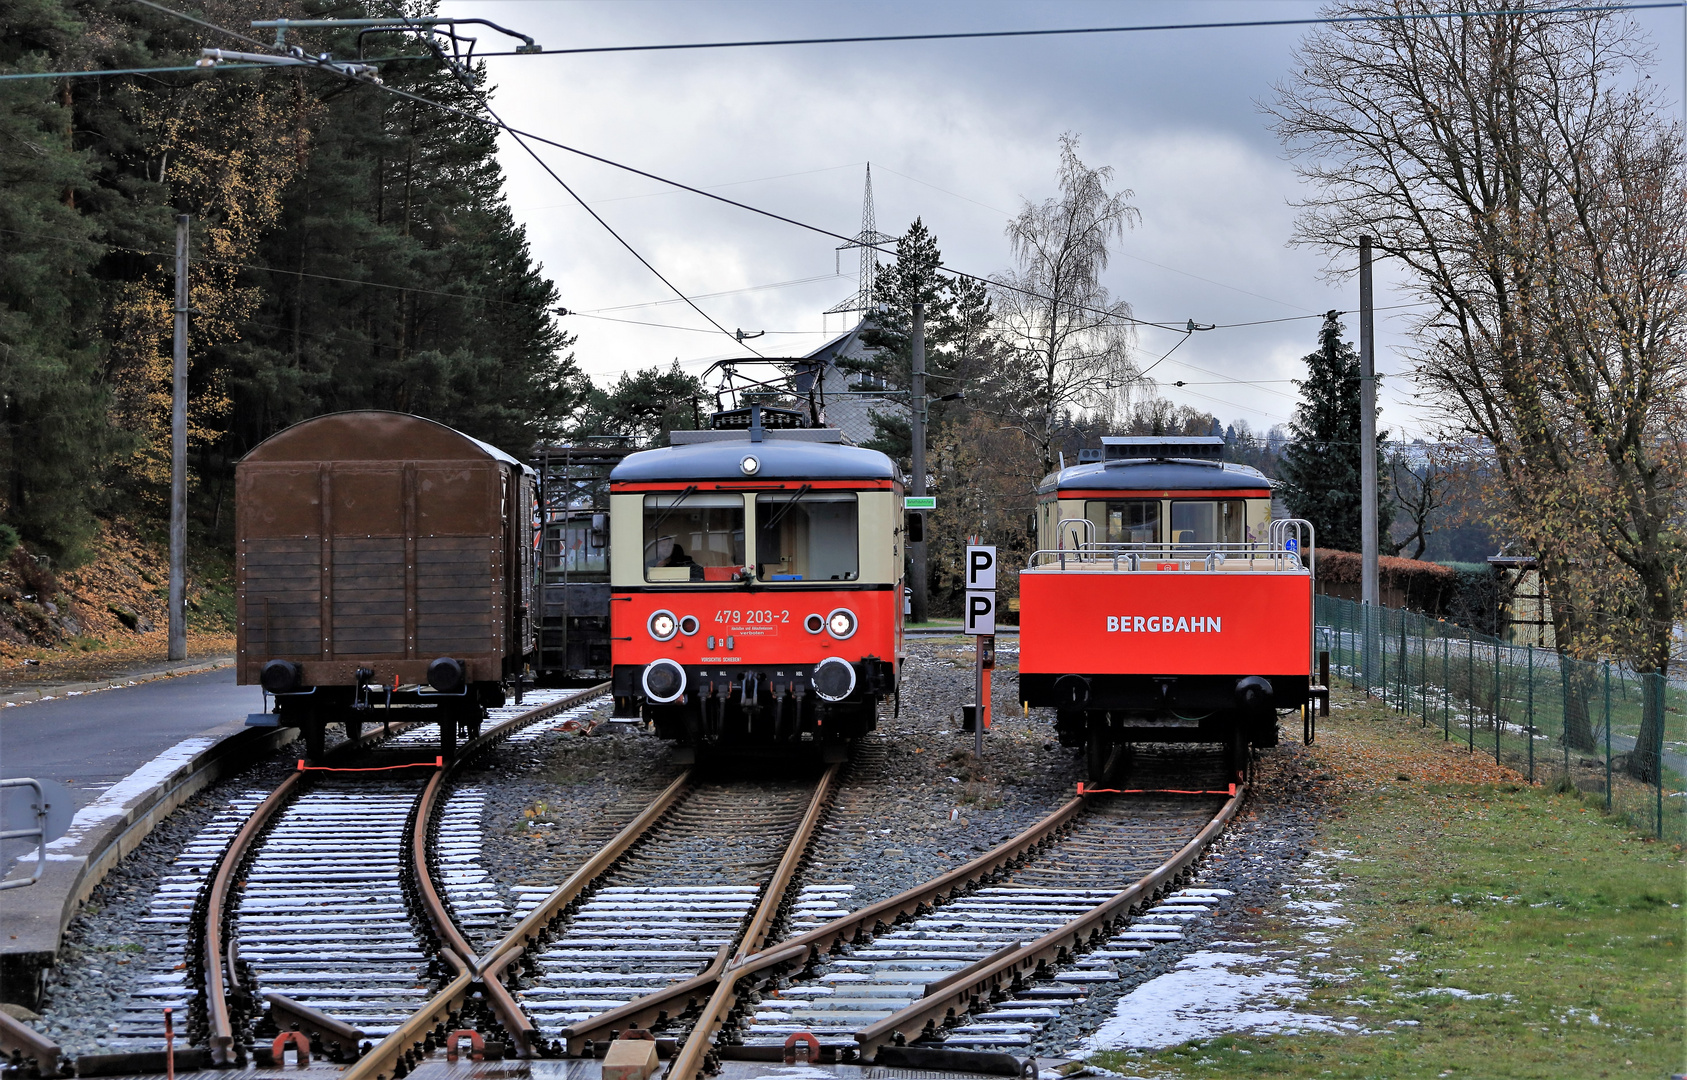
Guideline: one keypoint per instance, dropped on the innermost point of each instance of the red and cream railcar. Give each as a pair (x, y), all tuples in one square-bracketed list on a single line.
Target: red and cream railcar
[(1164, 604), (756, 584)]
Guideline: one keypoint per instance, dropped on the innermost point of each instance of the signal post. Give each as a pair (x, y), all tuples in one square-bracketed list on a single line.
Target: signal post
[(981, 623)]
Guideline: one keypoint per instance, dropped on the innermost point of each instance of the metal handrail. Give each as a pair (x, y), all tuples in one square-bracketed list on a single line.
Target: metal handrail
[(1088, 534), (1212, 556), (38, 834)]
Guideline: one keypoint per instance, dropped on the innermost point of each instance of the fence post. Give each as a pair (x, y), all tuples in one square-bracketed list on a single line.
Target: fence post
[(1530, 713), (1608, 737), (1423, 673), (1564, 663), (1470, 688), (1362, 655), (1496, 696), (1446, 701), (1662, 698)]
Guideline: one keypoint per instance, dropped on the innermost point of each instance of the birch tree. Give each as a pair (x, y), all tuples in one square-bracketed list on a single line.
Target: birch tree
[(1068, 341)]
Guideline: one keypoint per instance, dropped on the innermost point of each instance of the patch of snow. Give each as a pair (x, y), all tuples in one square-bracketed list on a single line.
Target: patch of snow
[(118, 797), (1206, 995)]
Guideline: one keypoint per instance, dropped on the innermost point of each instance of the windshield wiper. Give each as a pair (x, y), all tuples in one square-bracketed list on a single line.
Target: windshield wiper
[(656, 526), (786, 509)]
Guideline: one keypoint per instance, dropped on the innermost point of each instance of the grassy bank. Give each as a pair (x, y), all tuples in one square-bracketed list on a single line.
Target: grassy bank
[(1563, 927)]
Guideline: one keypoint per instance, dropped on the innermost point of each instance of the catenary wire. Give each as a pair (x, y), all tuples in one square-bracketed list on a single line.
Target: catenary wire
[(520, 135), (964, 35), (942, 36), (468, 85)]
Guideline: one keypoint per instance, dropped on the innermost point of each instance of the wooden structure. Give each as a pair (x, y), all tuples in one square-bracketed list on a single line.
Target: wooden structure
[(381, 558)]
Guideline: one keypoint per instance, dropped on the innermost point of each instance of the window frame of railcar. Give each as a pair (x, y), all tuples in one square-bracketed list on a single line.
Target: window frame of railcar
[(782, 509), (1229, 520), (726, 509), (1106, 508)]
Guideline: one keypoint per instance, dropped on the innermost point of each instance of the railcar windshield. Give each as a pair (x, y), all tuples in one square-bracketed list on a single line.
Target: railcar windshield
[(812, 536), (693, 537), (1209, 521), (1127, 521)]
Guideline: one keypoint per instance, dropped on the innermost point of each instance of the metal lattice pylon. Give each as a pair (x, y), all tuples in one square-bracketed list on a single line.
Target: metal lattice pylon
[(866, 240)]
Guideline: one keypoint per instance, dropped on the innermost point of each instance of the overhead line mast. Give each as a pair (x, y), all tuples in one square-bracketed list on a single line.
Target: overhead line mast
[(867, 241)]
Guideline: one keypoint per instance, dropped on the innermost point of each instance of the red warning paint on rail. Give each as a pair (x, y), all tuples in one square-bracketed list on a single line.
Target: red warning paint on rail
[(1082, 790), (436, 763)]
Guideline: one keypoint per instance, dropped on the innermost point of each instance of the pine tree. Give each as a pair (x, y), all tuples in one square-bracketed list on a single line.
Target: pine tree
[(645, 406), (401, 280), (957, 338), (53, 434), (1320, 468)]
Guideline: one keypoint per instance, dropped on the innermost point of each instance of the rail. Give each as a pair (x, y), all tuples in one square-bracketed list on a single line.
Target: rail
[(691, 1058), (408, 1040), (866, 922), (956, 994), (218, 956), (1276, 557)]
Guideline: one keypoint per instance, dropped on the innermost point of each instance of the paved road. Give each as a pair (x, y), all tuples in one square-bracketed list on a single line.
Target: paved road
[(94, 740)]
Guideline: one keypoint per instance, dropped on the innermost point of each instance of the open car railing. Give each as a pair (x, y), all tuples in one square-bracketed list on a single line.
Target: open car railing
[(1290, 546)]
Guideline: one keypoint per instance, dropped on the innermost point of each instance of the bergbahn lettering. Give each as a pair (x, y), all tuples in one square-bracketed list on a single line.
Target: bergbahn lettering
[(1163, 624)]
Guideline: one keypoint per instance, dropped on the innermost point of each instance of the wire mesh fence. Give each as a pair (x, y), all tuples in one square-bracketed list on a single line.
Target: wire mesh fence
[(1613, 733)]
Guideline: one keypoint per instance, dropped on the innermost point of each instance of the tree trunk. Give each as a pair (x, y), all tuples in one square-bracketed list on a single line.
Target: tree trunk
[(1579, 685), (1644, 762)]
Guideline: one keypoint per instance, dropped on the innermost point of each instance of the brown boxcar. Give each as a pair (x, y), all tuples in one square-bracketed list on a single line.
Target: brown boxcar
[(381, 558)]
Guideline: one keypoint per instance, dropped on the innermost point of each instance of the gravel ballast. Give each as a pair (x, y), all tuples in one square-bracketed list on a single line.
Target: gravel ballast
[(914, 803)]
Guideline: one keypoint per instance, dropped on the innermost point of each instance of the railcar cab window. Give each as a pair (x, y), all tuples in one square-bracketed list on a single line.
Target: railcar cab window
[(1128, 521), (690, 536), (1209, 521), (570, 550), (807, 536)]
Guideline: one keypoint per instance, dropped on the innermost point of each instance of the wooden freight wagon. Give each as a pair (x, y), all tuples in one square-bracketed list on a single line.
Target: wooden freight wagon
[(382, 559)]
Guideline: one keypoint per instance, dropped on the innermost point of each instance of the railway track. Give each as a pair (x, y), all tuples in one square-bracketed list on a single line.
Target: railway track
[(1000, 938), (302, 898), (692, 885), (670, 925)]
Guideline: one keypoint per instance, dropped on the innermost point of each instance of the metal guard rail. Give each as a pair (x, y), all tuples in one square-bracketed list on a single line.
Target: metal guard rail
[(1211, 556)]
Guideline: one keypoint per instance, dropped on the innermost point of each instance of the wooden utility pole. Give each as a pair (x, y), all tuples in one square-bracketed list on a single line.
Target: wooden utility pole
[(178, 456), (917, 416)]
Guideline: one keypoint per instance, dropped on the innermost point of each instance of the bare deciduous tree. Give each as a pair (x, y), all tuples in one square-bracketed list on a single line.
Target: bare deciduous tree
[(1068, 339), (1518, 168), (1420, 489)]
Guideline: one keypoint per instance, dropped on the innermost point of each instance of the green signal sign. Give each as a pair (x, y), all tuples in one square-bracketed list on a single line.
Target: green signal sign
[(920, 502)]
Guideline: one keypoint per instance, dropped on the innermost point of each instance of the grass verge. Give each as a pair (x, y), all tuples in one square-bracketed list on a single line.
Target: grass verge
[(1564, 926)]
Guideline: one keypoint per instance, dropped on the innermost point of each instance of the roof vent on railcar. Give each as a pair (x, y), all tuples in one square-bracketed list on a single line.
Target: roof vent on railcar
[(771, 418), (1156, 448)]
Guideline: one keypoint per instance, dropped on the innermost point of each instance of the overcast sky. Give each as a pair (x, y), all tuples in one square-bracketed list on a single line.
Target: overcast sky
[(958, 133)]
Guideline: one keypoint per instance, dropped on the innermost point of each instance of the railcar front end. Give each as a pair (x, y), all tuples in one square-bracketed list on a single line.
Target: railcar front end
[(1164, 604), (757, 584)]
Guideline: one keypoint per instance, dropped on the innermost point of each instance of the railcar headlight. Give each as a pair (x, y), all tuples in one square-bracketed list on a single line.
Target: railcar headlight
[(834, 678), (841, 623), (688, 625), (814, 624), (663, 681), (662, 625), (750, 466)]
